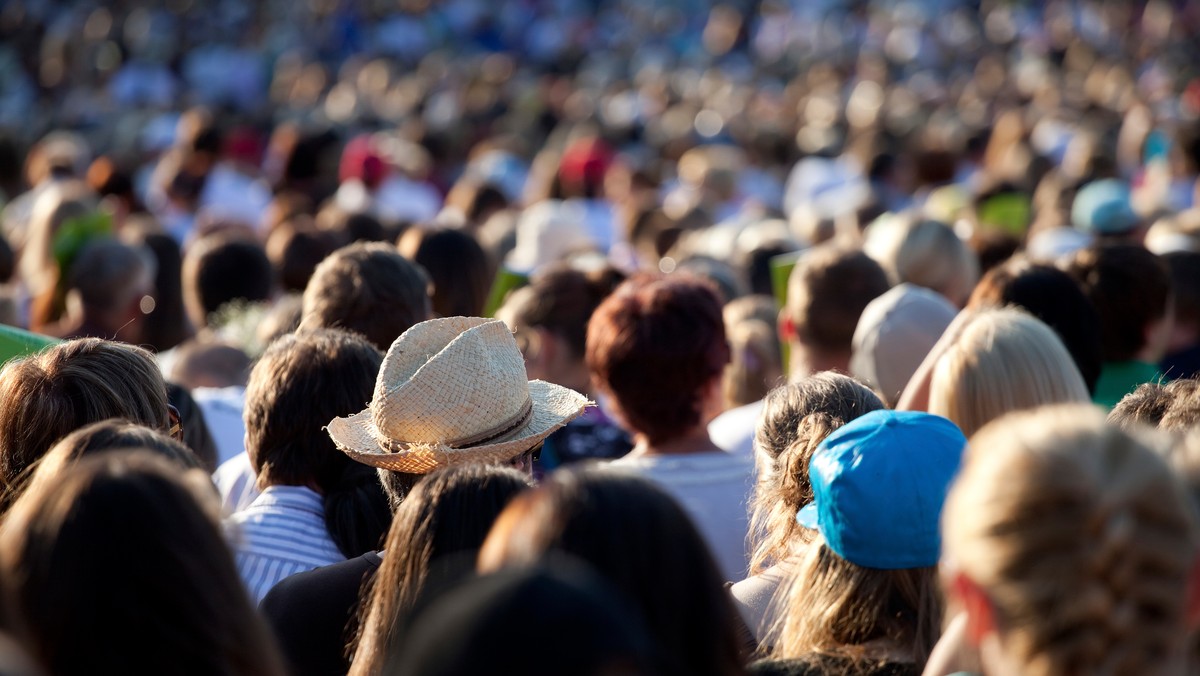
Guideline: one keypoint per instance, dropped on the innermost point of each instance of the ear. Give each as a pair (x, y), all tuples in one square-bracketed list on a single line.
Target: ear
[(1193, 596), (787, 327), (975, 603)]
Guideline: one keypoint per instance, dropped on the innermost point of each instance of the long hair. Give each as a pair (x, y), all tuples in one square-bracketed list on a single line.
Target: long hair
[(641, 540), (1081, 537), (448, 512), (120, 567), (795, 419)]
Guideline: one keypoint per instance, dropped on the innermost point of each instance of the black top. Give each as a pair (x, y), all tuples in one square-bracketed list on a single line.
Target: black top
[(821, 665), (315, 614)]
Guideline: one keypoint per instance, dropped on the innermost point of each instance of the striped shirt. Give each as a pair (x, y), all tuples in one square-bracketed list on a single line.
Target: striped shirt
[(281, 533)]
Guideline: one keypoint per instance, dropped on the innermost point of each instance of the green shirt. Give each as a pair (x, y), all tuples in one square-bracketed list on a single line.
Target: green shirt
[(1119, 378)]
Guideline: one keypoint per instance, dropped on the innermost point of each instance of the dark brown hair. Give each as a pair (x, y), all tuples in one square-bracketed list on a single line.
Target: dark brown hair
[(561, 300), (655, 344), (1173, 407), (458, 267), (1130, 288), (219, 269), (827, 291)]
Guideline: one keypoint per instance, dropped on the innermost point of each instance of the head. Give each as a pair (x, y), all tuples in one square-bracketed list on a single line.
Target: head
[(868, 581), (1104, 208), (369, 289), (635, 535), (459, 270), (657, 347), (166, 325), (210, 363), (86, 604), (110, 286), (926, 253), (827, 292), (1004, 360), (1118, 540), (46, 396), (894, 334), (295, 248), (1171, 407), (443, 521), (795, 419), (302, 381), (218, 270), (1052, 296), (755, 364), (1131, 289)]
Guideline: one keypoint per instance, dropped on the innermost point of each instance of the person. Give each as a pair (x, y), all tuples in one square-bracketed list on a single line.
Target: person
[(220, 269), (1052, 296), (926, 253), (441, 524), (756, 364), (893, 335), (1131, 290), (414, 426), (796, 418), (584, 628), (549, 318), (641, 541), (459, 270), (1182, 359), (48, 395), (1120, 542), (1105, 210), (1000, 360), (85, 605), (109, 287), (370, 289), (214, 372), (656, 348), (1171, 407), (863, 599), (301, 381)]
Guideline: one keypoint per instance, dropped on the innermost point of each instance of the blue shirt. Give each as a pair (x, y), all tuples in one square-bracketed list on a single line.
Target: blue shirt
[(280, 534)]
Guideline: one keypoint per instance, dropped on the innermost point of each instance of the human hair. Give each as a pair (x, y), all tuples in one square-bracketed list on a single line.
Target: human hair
[(1003, 360), (458, 268), (109, 275), (42, 271), (560, 299), (755, 364), (45, 396), (795, 419), (1130, 288), (829, 607), (637, 536), (302, 381), (1171, 407), (926, 253), (655, 345), (1052, 296), (210, 363), (295, 249), (827, 291), (218, 269), (446, 515), (1085, 512), (166, 325), (367, 288), (119, 566)]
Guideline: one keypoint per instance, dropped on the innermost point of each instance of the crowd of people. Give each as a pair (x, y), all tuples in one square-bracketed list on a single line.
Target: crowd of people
[(657, 338)]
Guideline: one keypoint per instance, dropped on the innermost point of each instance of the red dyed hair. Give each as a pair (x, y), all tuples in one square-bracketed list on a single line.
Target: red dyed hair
[(654, 345)]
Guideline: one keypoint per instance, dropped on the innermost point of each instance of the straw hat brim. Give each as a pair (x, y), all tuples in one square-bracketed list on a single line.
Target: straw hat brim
[(553, 407)]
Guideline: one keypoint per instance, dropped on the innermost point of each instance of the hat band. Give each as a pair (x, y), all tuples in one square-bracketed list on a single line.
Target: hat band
[(516, 422)]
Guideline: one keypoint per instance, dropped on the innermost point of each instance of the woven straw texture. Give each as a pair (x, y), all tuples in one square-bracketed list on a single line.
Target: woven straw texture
[(450, 391)]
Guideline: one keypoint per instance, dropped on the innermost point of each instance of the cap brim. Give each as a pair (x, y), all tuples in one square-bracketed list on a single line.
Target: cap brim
[(553, 407), (807, 516)]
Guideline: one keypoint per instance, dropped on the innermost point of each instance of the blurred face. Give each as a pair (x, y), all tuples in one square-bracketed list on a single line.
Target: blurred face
[(524, 463)]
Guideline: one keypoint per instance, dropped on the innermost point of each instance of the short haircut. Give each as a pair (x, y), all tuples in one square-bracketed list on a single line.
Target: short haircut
[(1174, 407), (296, 251), (46, 396), (655, 344), (367, 288), (109, 275), (560, 299), (219, 269), (827, 291), (928, 254), (459, 268), (1130, 288), (300, 383)]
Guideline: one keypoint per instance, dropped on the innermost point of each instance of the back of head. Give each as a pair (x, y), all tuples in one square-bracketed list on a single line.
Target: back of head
[(827, 291), (795, 419), (109, 275), (1171, 407), (300, 383), (638, 537), (458, 267), (895, 333), (369, 289), (295, 249), (656, 345), (1130, 288), (926, 253), (205, 363), (1085, 512), (218, 270), (1004, 360), (46, 396), (1052, 296), (560, 299), (120, 567)]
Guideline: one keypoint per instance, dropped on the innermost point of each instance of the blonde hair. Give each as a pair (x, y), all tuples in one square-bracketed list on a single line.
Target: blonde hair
[(1083, 548), (755, 364), (926, 253), (830, 607), (795, 419), (1004, 360)]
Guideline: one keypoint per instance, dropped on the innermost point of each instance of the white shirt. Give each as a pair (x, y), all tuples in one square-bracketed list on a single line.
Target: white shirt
[(734, 429), (236, 483), (714, 489), (223, 407), (280, 534)]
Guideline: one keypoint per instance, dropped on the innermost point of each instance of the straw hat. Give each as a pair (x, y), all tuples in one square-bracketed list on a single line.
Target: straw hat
[(451, 391)]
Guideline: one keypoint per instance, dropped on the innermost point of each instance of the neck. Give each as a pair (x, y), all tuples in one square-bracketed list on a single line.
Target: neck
[(695, 440), (805, 361)]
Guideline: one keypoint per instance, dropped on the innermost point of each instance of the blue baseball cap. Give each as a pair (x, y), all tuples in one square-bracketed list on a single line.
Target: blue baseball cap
[(1104, 207), (878, 485)]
